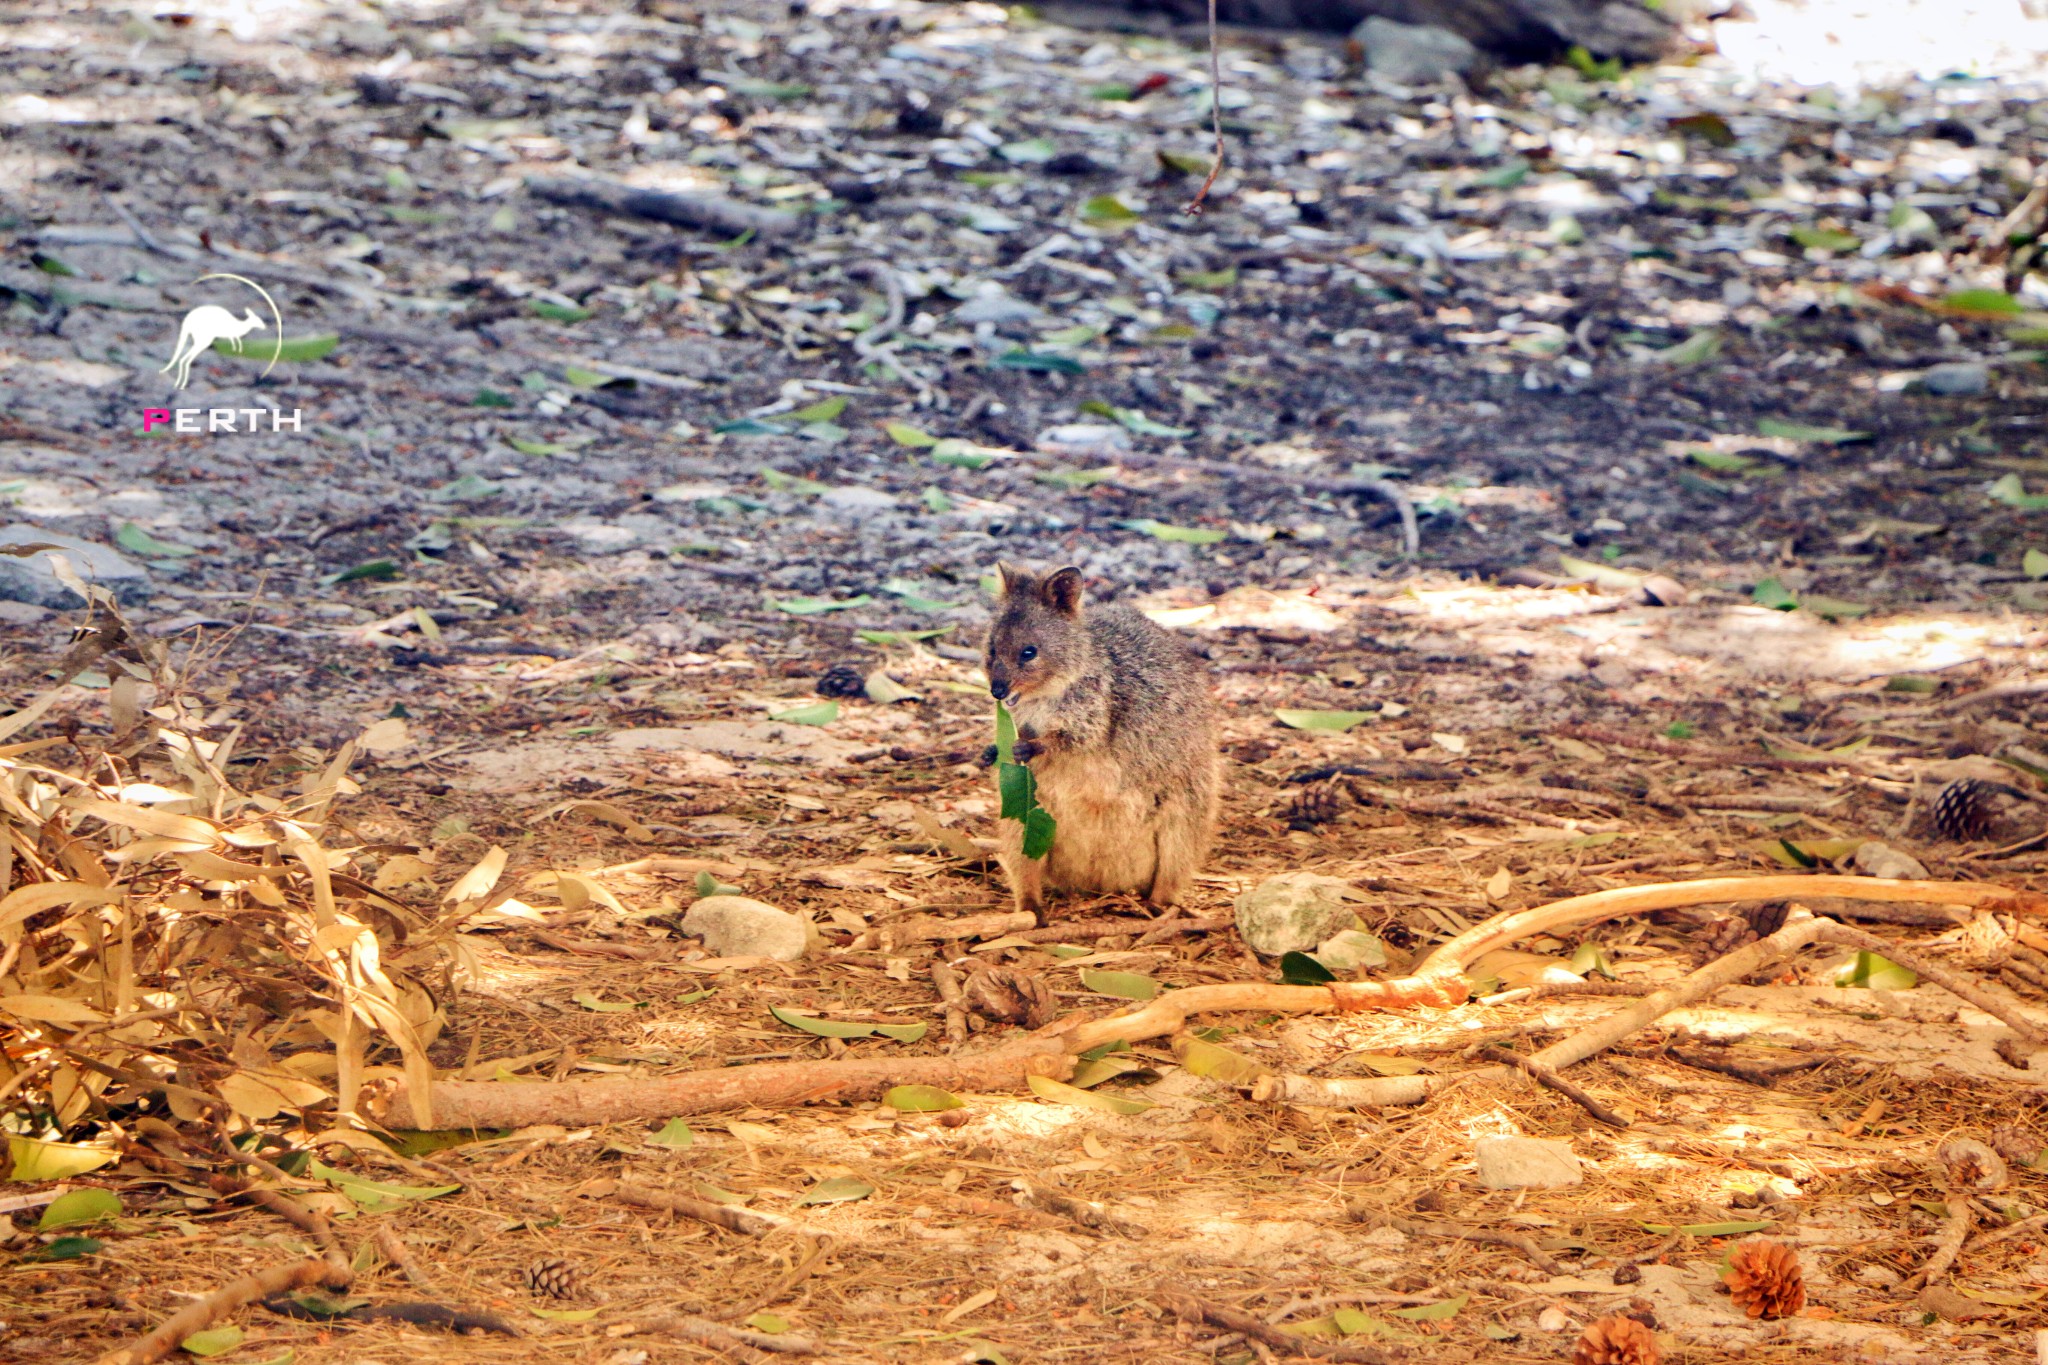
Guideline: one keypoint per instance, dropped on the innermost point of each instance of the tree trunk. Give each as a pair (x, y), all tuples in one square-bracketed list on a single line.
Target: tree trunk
[(1511, 30)]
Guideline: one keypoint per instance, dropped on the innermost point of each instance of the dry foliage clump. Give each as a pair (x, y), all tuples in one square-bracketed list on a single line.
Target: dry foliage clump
[(1764, 1279), (169, 927)]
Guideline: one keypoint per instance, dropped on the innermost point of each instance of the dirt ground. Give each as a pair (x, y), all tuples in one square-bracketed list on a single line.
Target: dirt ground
[(1724, 563)]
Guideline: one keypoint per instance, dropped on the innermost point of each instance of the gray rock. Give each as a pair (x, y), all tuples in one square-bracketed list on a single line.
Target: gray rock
[(22, 614), (1412, 54), (31, 579), (1957, 378), (1349, 949), (1520, 1163), (740, 926), (1874, 859), (1294, 912), (999, 309), (857, 501)]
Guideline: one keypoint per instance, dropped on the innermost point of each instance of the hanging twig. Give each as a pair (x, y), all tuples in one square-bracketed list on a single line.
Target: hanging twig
[(1544, 1075), (1194, 207)]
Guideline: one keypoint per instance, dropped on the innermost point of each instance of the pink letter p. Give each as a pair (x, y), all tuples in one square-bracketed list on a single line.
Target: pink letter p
[(154, 417)]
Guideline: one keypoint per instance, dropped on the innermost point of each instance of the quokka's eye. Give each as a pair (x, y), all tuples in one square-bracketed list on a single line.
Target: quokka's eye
[(1027, 654)]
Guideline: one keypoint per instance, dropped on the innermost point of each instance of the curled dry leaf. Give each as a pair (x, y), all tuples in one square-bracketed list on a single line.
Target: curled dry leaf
[(1010, 996)]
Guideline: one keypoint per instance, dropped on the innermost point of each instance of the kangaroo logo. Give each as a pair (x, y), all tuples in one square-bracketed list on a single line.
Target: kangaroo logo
[(206, 324)]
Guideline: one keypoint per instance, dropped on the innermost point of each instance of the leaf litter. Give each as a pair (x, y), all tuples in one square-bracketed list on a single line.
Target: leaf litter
[(1403, 253)]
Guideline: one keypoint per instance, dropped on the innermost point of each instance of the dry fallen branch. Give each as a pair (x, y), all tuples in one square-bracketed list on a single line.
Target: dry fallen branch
[(733, 1219), (1438, 981), (767, 1085), (225, 1300), (1086, 1212), (738, 1343)]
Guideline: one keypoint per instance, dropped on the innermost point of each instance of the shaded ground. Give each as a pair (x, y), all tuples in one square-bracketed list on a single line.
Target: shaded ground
[(1529, 307)]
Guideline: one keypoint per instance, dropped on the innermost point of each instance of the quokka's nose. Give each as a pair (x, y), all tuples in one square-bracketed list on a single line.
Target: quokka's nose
[(998, 688)]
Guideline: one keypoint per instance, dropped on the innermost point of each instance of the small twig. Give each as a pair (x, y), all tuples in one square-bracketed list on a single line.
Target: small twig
[(1546, 1076), (1083, 1211), (2020, 1229), (1757, 1076), (1550, 990), (1194, 207), (1411, 531), (227, 1299), (726, 1216), (394, 1249), (947, 982), (1455, 1232), (1954, 1230), (798, 1273), (313, 1222)]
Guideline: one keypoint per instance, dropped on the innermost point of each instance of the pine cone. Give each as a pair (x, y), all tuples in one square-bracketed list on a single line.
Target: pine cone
[(1317, 805), (1764, 1279), (2018, 1146), (1009, 996), (1963, 810), (1722, 936), (1616, 1341), (552, 1277), (843, 680)]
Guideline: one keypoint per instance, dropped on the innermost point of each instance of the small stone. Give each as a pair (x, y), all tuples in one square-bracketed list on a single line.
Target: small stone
[(1956, 379), (1522, 1163), (1412, 54), (22, 614), (740, 926), (856, 500), (1661, 590), (1349, 949), (31, 579), (1874, 859), (1294, 912), (998, 309), (1083, 440)]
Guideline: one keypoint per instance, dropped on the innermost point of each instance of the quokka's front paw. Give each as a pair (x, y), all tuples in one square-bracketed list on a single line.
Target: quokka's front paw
[(988, 756), (1024, 750)]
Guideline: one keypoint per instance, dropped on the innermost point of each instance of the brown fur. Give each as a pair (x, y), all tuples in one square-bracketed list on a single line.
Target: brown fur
[(1115, 720)]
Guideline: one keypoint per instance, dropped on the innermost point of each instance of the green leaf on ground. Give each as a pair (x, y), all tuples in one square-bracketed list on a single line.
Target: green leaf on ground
[(1773, 594), (674, 1134), (2034, 564), (817, 713), (840, 1189), (1107, 208), (1184, 535), (1434, 1312), (1020, 359), (921, 1099), (903, 434), (1299, 969), (556, 312), (1334, 722), (1122, 985), (2008, 489), (1825, 239), (823, 1028), (295, 349), (1872, 972), (824, 410), (213, 1341), (135, 540), (1046, 1088), (88, 1205), (1994, 303), (813, 606), (1730, 1229), (66, 1249), (1800, 431)]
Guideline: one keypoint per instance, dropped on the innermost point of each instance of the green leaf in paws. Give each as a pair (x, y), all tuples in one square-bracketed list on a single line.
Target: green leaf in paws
[(1038, 833), (1018, 788)]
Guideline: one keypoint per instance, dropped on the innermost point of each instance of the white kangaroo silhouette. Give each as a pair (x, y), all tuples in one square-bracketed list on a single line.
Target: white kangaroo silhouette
[(202, 327)]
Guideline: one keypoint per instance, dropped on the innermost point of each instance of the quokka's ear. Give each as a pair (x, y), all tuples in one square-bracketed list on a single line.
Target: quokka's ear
[(1011, 579), (1062, 590)]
